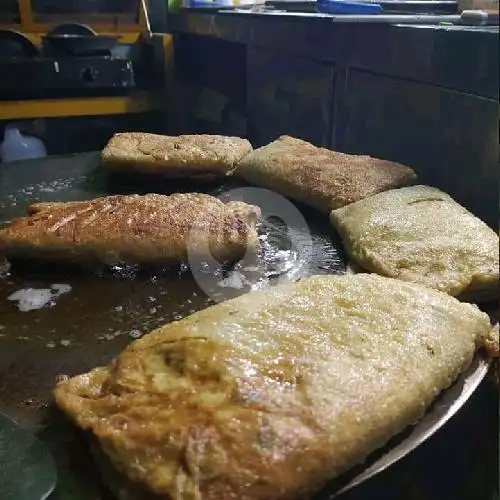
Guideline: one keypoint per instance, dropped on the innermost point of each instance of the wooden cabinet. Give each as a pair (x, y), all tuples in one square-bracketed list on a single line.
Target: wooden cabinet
[(449, 137), (288, 95)]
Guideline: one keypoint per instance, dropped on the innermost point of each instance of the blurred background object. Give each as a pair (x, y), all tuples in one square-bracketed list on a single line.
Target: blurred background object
[(71, 63)]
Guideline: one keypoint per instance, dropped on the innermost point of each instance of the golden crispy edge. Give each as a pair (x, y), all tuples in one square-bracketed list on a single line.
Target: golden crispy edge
[(245, 213), (251, 168), (492, 342), (254, 169), (123, 152)]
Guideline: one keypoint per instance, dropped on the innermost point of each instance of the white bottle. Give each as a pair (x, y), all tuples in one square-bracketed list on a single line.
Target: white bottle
[(16, 146)]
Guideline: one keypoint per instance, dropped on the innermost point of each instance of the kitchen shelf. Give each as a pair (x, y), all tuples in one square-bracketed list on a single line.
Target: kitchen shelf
[(80, 106)]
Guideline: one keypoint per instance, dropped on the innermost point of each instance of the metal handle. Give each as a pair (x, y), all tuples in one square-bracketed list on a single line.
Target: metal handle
[(144, 8), (478, 18)]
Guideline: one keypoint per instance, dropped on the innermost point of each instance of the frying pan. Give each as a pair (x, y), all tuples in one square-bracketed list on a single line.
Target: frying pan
[(79, 44), (71, 29), (15, 44), (97, 319)]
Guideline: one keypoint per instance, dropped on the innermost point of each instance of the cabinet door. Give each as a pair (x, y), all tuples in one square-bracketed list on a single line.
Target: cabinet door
[(288, 95), (449, 137)]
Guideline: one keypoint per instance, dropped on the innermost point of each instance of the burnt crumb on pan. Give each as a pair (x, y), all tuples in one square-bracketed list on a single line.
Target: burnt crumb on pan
[(4, 268), (35, 403)]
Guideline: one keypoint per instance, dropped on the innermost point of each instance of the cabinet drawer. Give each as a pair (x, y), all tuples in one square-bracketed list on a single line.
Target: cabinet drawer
[(449, 137), (288, 95)]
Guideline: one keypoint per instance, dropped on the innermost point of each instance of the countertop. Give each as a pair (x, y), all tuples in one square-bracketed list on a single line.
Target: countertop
[(463, 58)]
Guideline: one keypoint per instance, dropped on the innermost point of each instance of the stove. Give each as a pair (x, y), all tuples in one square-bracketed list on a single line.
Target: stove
[(44, 77)]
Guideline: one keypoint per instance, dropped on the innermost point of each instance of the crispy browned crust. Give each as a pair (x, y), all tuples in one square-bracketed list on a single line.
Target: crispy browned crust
[(268, 396), (140, 229), (320, 177), (492, 342), (204, 157)]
